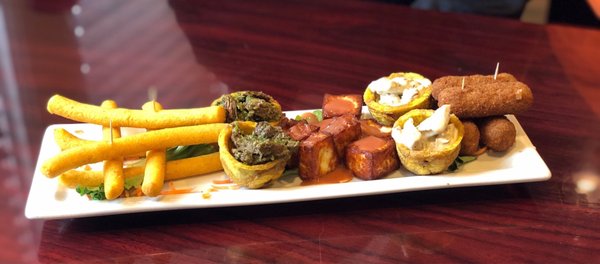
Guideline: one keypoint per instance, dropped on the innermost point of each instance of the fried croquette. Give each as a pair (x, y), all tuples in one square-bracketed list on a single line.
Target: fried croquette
[(449, 81), (497, 133), (469, 145), (487, 99)]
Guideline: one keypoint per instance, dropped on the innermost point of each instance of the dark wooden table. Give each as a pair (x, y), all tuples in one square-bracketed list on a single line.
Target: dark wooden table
[(296, 51)]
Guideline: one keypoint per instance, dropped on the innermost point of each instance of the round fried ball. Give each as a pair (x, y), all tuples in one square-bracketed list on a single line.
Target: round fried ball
[(470, 142), (497, 133)]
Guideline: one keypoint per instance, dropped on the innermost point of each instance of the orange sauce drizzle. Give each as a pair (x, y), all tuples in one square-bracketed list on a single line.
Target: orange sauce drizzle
[(340, 175), (172, 190), (223, 181)]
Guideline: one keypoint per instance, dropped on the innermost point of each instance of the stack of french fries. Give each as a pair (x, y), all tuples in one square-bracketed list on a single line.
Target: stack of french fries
[(165, 129)]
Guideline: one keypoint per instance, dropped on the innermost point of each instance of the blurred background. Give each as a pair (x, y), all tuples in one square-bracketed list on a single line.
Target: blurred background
[(575, 12)]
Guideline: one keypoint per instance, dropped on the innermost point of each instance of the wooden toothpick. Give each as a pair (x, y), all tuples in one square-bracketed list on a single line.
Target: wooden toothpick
[(496, 72), (152, 94), (462, 87)]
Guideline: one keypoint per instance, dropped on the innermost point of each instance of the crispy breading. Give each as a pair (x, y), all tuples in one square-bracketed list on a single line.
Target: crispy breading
[(154, 174), (99, 151), (470, 143), (121, 117), (497, 133), (176, 169), (449, 81), (489, 99), (112, 168)]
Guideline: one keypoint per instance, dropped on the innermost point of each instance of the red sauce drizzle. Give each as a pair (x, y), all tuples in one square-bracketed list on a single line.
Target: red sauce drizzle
[(340, 175)]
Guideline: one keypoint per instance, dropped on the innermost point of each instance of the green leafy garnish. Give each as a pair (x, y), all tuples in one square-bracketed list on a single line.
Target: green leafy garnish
[(174, 153), (182, 152), (459, 161), (319, 114), (94, 193), (133, 182)]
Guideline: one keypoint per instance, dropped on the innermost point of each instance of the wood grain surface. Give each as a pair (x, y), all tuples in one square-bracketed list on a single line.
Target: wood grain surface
[(194, 51)]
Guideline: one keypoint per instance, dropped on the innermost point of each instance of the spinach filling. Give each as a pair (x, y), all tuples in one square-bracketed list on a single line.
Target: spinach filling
[(250, 106), (265, 144)]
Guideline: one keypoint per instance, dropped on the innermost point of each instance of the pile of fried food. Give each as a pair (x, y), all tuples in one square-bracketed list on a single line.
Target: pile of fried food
[(165, 129), (414, 122)]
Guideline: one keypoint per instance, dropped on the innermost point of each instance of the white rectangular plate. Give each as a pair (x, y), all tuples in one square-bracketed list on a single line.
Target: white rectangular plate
[(49, 200)]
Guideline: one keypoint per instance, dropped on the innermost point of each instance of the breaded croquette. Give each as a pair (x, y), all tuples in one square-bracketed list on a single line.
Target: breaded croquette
[(487, 99), (449, 81), (469, 145), (497, 133)]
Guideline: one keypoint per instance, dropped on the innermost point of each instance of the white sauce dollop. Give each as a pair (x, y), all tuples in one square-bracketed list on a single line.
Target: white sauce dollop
[(398, 90), (436, 124)]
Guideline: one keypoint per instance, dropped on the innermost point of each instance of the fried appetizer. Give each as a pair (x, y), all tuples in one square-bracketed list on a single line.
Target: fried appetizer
[(156, 161), (113, 168), (299, 132), (318, 156), (451, 81), (121, 117), (370, 127), (484, 99), (470, 142), (249, 106), (302, 130), (344, 129), (176, 169), (390, 97), (372, 157), (254, 154), (428, 141), (497, 133), (337, 105), (131, 145)]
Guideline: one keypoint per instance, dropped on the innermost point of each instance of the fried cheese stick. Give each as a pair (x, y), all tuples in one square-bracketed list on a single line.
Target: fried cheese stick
[(154, 174), (122, 117), (121, 147), (176, 169), (66, 140), (112, 168)]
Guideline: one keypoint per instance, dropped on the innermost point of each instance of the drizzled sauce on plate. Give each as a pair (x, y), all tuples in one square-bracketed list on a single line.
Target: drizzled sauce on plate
[(341, 174)]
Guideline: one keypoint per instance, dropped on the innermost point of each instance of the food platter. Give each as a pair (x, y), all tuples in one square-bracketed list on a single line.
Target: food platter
[(49, 200)]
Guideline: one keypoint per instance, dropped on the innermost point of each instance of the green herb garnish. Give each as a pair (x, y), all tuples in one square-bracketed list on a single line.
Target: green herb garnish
[(318, 113), (459, 161), (133, 182), (182, 152), (94, 193)]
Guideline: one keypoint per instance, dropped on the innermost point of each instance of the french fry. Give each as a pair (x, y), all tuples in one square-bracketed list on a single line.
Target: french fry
[(154, 174), (66, 140), (112, 168), (121, 147), (122, 117), (93, 178), (176, 169)]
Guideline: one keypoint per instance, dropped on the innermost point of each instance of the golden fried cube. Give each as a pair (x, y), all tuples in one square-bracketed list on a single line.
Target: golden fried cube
[(344, 129), (338, 105), (372, 157), (317, 156)]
